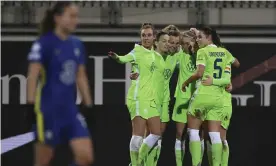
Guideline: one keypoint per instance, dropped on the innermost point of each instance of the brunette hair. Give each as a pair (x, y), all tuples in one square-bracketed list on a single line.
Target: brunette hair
[(215, 37), (48, 22)]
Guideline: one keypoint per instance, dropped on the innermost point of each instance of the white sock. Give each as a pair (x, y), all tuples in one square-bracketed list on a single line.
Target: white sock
[(151, 140), (202, 147)]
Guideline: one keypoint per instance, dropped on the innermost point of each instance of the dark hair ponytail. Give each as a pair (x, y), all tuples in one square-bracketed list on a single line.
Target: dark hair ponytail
[(216, 38), (214, 35), (48, 22)]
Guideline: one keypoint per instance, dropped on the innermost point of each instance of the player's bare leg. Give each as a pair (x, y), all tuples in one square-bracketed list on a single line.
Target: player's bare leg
[(195, 145), (153, 156), (154, 126), (138, 130), (43, 154), (83, 151), (158, 150), (216, 146), (180, 143), (147, 132), (225, 147)]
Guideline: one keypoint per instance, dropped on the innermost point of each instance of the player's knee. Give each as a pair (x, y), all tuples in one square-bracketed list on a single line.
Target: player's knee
[(135, 143), (84, 159), (43, 155), (194, 135), (215, 137)]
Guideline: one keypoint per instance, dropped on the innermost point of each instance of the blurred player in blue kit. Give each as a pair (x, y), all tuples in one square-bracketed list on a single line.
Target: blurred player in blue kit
[(57, 60)]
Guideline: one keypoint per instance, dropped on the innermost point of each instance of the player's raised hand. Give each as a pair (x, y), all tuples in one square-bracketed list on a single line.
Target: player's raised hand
[(208, 81), (134, 76), (229, 88), (112, 55)]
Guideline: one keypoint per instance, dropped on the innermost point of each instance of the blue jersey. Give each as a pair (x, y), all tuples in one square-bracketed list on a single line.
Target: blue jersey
[(60, 60), (56, 95)]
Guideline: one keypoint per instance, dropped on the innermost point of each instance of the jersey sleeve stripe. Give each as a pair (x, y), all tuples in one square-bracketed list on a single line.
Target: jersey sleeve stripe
[(39, 114)]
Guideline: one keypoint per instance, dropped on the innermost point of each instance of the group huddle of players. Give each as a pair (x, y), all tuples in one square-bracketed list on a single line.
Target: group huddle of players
[(57, 59), (203, 98)]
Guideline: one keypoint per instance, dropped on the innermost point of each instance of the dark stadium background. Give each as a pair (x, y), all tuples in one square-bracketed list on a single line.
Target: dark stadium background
[(250, 135)]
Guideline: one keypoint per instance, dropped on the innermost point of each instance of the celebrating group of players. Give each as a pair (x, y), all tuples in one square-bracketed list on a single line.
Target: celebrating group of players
[(202, 93)]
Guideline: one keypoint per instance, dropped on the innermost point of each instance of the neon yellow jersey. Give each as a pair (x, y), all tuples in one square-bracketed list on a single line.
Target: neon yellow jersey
[(143, 62), (215, 60), (170, 64), (226, 78), (159, 80), (186, 70)]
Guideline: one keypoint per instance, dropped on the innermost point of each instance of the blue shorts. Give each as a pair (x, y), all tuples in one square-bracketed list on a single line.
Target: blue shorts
[(53, 130)]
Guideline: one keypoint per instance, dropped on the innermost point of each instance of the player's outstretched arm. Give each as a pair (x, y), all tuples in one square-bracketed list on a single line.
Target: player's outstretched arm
[(121, 59), (82, 83), (33, 74)]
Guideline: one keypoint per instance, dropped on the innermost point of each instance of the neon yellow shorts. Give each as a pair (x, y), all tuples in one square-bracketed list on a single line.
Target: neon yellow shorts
[(144, 109), (180, 110), (164, 112), (206, 107), (227, 113)]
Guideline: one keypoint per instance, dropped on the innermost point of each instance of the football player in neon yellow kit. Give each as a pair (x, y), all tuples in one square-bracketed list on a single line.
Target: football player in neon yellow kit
[(186, 69), (205, 104), (170, 63), (167, 63), (141, 96), (227, 109), (170, 60)]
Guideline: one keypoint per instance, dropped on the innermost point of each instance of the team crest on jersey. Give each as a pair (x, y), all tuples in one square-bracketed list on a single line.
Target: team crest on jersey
[(167, 73), (77, 52), (191, 67)]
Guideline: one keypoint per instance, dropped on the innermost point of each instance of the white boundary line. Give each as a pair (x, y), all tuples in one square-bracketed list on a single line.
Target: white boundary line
[(11, 143), (136, 39)]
